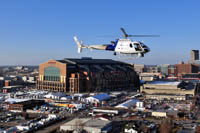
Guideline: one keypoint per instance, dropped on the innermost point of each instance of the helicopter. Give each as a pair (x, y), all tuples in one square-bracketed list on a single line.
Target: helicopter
[(122, 46)]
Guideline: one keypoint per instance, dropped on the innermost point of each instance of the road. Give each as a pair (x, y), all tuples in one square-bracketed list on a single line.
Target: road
[(56, 125), (53, 127)]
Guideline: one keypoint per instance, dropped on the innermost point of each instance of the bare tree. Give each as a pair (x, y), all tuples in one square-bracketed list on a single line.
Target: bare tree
[(166, 126)]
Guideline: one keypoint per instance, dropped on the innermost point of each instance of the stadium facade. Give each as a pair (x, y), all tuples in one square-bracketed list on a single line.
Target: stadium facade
[(74, 75)]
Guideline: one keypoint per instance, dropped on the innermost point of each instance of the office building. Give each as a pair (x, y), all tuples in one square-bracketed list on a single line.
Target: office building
[(186, 68), (194, 55)]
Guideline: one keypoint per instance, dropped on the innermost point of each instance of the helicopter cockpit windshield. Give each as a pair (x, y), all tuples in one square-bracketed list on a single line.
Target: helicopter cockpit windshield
[(142, 45), (146, 49)]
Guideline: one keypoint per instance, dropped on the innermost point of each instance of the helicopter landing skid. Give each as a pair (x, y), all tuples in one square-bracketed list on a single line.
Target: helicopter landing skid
[(128, 56)]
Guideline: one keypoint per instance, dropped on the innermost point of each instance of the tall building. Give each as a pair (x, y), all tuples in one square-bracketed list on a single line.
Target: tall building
[(164, 69), (86, 75), (172, 71), (194, 55)]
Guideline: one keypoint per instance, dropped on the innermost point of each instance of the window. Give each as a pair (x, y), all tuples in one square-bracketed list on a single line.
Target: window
[(131, 45), (52, 74)]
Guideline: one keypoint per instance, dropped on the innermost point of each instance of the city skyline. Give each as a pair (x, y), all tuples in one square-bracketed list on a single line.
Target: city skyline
[(36, 31)]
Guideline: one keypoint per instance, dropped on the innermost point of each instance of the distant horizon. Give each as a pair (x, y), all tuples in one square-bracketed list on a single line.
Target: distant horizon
[(121, 60)]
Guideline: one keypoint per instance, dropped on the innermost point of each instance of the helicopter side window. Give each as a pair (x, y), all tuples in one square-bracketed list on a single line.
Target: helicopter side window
[(131, 45), (137, 47)]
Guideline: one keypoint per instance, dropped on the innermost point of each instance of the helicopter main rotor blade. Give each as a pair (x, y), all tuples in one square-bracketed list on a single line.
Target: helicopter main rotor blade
[(125, 34), (143, 35)]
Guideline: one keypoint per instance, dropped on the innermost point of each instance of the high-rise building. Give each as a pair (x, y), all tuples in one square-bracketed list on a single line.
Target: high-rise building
[(194, 55), (172, 71)]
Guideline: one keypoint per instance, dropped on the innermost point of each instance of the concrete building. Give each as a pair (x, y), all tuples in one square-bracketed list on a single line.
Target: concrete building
[(159, 114), (86, 75), (164, 69), (150, 76), (194, 55), (168, 90), (88, 125), (139, 68), (151, 69)]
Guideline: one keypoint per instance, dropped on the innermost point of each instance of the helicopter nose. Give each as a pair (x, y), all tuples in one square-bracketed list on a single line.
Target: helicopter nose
[(146, 50)]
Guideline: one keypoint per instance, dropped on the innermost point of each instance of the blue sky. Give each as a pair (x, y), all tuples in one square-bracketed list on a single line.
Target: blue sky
[(34, 31)]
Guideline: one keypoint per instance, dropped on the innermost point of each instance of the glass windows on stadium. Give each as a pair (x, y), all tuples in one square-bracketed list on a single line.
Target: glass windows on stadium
[(52, 74)]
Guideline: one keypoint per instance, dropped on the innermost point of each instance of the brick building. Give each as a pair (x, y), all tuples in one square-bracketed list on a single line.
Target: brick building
[(21, 105), (186, 68), (86, 75), (24, 105)]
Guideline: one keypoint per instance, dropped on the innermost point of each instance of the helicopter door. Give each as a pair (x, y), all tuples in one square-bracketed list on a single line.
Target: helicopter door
[(137, 47)]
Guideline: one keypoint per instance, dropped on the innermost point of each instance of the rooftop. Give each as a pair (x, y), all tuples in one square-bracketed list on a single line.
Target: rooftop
[(96, 123), (16, 100), (89, 61), (127, 104), (101, 97), (88, 122), (165, 83)]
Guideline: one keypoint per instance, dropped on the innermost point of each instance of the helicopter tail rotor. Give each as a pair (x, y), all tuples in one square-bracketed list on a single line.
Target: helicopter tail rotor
[(79, 44)]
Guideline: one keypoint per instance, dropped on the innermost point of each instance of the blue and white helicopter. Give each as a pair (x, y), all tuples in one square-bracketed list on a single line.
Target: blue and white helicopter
[(122, 46)]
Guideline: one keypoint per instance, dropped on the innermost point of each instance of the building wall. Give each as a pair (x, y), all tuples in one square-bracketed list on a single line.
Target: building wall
[(53, 63), (22, 106), (59, 85), (164, 69), (7, 83), (194, 55), (161, 86), (14, 107), (75, 78), (168, 91), (139, 68), (162, 97), (159, 114), (172, 71), (186, 68)]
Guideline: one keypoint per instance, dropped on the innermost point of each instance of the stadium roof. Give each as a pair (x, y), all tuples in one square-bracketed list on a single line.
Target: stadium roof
[(85, 60)]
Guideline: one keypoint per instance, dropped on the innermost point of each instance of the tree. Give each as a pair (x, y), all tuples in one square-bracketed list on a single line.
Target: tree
[(166, 126)]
